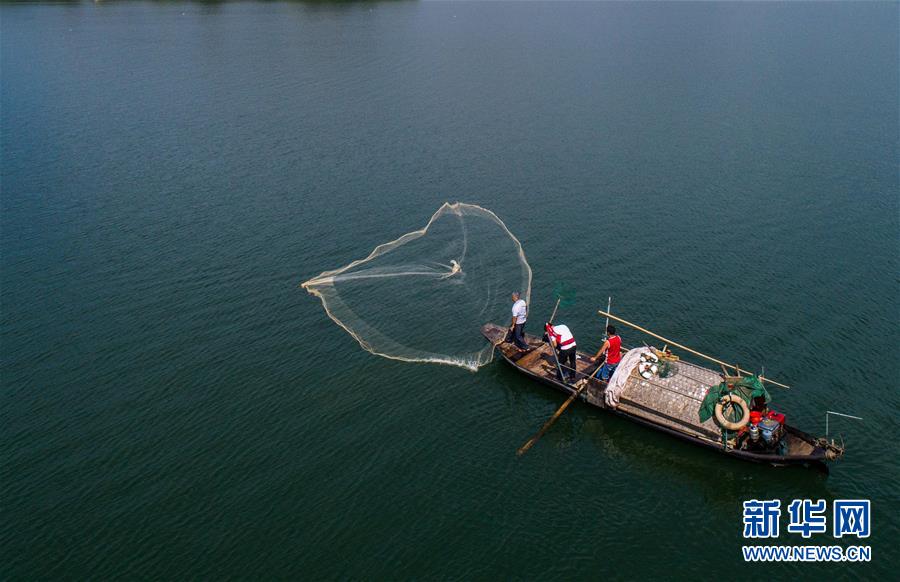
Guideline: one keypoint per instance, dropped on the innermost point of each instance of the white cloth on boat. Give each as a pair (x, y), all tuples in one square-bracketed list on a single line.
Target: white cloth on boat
[(617, 383)]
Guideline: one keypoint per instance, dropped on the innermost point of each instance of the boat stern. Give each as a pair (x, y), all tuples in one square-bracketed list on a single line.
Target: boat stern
[(833, 451)]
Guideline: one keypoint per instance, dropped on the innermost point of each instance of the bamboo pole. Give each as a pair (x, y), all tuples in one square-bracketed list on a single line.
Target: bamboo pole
[(531, 442), (605, 334), (552, 315), (695, 352), (608, 309), (553, 347)]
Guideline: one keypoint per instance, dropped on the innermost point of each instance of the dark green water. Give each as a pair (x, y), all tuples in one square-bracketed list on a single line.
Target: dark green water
[(174, 406)]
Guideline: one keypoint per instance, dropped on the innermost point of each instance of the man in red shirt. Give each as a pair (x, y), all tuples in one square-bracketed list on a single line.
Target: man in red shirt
[(613, 349)]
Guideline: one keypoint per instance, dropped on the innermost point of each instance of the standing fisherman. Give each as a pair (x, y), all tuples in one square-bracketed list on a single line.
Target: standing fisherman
[(613, 348), (561, 338), (517, 324)]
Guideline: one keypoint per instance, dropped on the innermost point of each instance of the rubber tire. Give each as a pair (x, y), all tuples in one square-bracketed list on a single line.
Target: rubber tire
[(720, 416)]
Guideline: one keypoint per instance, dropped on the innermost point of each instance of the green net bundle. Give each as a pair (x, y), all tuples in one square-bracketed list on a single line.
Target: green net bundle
[(748, 388)]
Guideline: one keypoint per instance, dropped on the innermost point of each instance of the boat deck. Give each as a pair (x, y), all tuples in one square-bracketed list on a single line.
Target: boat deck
[(669, 403), (539, 360)]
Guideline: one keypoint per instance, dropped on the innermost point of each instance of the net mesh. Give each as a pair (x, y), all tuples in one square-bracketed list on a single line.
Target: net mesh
[(424, 296)]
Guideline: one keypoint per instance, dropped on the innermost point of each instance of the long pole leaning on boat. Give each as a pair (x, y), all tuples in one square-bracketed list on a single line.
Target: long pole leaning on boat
[(537, 436), (553, 349), (685, 348), (605, 334), (608, 309), (555, 307)]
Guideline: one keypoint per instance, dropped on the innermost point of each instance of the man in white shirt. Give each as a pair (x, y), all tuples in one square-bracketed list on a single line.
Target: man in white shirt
[(517, 324)]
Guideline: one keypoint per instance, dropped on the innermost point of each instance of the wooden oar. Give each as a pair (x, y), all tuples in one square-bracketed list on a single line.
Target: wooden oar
[(524, 448), (531, 442), (695, 352)]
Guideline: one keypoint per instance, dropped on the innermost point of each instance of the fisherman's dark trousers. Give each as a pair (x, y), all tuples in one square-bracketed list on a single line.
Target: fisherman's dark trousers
[(567, 362), (519, 336)]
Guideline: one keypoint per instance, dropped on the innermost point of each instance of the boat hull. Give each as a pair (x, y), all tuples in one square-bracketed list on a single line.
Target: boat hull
[(539, 364)]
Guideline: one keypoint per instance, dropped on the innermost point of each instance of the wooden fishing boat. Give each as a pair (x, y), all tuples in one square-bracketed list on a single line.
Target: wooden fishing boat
[(669, 404)]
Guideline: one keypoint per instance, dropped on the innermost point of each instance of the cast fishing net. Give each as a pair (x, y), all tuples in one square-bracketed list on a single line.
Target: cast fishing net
[(423, 297)]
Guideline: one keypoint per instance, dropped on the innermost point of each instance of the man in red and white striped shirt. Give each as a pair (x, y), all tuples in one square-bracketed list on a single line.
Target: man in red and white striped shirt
[(562, 339)]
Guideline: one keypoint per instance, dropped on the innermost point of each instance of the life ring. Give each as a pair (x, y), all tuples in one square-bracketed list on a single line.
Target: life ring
[(745, 412)]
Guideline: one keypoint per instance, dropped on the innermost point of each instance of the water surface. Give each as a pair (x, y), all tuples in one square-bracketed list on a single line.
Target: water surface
[(174, 406)]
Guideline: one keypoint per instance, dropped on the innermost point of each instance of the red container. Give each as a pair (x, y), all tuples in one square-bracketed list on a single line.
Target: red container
[(755, 416), (775, 416)]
